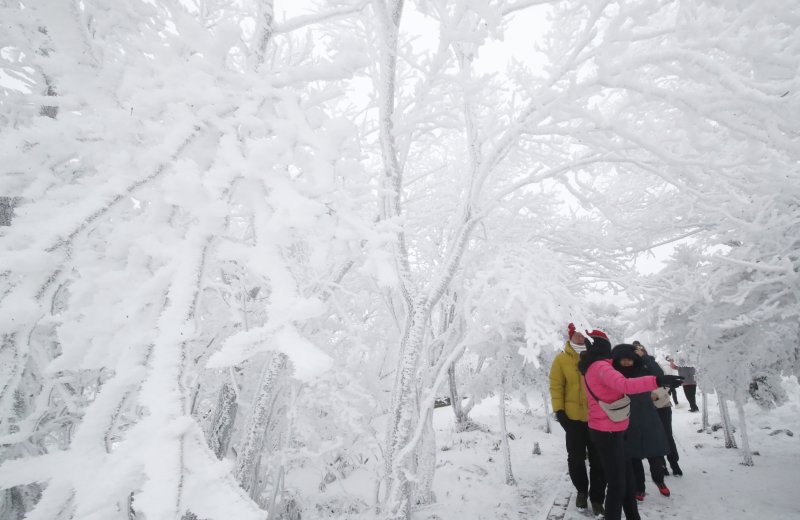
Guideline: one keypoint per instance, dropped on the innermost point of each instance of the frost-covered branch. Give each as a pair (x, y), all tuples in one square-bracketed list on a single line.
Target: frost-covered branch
[(389, 13), (263, 32), (247, 456), (299, 22)]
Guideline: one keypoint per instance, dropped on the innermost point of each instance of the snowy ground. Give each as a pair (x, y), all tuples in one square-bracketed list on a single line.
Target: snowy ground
[(470, 484)]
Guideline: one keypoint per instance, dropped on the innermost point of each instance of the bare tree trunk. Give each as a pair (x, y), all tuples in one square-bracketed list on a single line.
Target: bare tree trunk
[(50, 111), (255, 432), (17, 501), (523, 400), (462, 414), (130, 511), (704, 411), (263, 32), (404, 410), (219, 436), (426, 463), (501, 402), (546, 398), (279, 504), (7, 205), (748, 455), (727, 427), (402, 441), (467, 407), (50, 89)]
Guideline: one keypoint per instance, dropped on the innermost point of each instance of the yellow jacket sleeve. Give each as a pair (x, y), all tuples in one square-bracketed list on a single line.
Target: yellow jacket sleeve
[(557, 383)]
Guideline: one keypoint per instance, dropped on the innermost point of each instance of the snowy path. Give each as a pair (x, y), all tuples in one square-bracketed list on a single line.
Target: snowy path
[(716, 485), (469, 480)]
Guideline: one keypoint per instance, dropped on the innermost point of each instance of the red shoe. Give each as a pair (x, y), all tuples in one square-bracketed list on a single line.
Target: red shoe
[(639, 495), (663, 489)]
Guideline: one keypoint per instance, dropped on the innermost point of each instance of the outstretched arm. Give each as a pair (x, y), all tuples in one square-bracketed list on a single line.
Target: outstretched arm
[(636, 385)]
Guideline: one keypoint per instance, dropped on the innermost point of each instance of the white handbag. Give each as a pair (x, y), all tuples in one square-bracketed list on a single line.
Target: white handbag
[(617, 411)]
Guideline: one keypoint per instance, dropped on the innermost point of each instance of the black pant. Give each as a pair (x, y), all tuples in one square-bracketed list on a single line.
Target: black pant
[(690, 391), (656, 471), (665, 414), (674, 394), (619, 475), (578, 445)]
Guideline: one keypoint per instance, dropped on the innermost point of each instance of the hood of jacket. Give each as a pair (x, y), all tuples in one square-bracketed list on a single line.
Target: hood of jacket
[(626, 351)]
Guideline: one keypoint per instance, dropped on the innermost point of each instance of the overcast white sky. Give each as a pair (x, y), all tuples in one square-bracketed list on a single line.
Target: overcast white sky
[(518, 42)]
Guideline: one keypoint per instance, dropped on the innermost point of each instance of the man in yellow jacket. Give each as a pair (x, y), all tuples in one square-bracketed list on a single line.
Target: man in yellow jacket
[(571, 409)]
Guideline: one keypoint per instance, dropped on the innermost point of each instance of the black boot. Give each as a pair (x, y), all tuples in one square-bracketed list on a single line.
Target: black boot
[(582, 500), (676, 470)]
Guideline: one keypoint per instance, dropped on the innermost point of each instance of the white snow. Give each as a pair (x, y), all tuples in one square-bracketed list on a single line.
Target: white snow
[(469, 479)]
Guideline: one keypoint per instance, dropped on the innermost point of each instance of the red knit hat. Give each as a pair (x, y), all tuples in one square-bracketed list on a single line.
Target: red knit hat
[(598, 333), (570, 330)]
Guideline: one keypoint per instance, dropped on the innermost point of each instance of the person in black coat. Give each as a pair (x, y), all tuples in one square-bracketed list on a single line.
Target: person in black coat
[(664, 411), (645, 438)]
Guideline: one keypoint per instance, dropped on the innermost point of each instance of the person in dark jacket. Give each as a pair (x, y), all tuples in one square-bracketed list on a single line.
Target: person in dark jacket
[(645, 438), (674, 393), (664, 409)]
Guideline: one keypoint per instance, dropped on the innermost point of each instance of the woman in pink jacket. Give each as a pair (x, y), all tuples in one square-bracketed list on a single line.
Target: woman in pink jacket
[(604, 383)]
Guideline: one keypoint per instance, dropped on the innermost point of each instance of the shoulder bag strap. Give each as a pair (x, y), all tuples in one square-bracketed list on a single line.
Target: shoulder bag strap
[(590, 388)]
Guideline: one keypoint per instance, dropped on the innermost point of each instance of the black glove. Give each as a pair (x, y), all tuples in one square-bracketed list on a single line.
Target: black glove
[(670, 381), (561, 417)]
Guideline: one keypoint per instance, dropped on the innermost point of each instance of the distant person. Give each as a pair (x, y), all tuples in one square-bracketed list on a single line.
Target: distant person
[(645, 437), (661, 401), (571, 408), (673, 392), (689, 383), (608, 421)]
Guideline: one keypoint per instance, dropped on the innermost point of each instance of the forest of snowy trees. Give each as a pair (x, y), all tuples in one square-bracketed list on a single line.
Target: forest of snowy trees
[(236, 244)]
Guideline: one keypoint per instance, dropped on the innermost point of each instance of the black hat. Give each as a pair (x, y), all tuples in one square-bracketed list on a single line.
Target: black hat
[(600, 344)]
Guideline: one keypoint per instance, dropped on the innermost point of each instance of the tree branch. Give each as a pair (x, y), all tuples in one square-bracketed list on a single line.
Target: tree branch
[(312, 19)]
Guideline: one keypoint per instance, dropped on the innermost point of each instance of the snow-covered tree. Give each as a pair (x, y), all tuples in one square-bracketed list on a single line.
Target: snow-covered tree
[(178, 215), (234, 244)]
